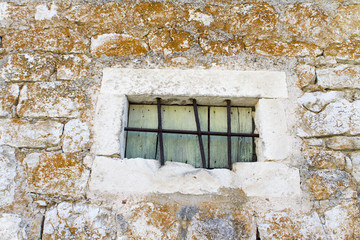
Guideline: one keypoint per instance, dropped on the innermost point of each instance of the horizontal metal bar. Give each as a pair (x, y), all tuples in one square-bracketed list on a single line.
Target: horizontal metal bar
[(191, 132)]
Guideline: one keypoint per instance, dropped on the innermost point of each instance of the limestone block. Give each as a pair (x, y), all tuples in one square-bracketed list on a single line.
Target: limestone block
[(270, 121), (331, 184), (291, 225), (268, 179), (28, 67), (56, 174), (222, 227), (154, 14), (23, 133), (342, 76), (276, 47), (325, 159), (11, 227), (249, 18), (306, 74), (8, 97), (73, 67), (307, 21), (343, 143), (355, 160), (117, 45), (7, 175), (169, 41), (317, 101), (58, 99), (340, 220), (224, 48), (348, 19), (334, 119), (99, 18), (355, 118), (152, 220), (348, 50), (76, 136), (78, 221), (43, 12), (58, 40), (112, 178)]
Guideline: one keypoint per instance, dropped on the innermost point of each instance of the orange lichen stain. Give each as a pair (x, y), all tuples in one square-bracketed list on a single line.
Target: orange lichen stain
[(347, 50), (59, 40), (121, 45), (276, 47), (169, 41), (154, 14)]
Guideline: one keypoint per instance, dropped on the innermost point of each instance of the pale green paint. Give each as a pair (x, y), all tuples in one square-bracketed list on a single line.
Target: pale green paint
[(185, 148)]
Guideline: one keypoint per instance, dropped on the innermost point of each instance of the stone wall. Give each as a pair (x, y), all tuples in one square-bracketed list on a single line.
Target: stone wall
[(52, 58)]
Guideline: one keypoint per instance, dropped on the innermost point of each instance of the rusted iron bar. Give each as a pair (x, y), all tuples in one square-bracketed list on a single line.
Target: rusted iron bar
[(228, 102), (202, 152), (160, 132), (190, 132)]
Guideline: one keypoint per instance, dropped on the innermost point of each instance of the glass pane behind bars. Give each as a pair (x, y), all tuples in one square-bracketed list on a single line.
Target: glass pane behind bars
[(184, 147)]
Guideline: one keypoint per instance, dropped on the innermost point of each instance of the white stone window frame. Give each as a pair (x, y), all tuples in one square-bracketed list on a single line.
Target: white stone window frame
[(264, 90)]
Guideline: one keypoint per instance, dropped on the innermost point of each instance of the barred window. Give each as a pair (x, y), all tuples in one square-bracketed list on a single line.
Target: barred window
[(203, 136)]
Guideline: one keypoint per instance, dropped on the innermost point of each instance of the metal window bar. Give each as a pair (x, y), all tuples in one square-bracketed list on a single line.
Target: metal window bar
[(198, 132)]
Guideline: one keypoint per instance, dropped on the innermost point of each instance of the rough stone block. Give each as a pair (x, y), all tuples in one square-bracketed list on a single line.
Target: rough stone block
[(8, 97), (275, 47), (76, 136), (79, 221), (268, 179), (340, 220), (355, 160), (248, 18), (323, 159), (58, 99), (14, 16), (331, 184), (12, 227), (169, 41), (355, 118), (291, 225), (28, 67), (307, 21), (271, 123), (346, 51), (348, 19), (56, 174), (154, 14), (23, 133), (58, 40), (306, 74), (7, 175), (224, 48), (317, 101), (333, 120), (117, 45), (99, 18), (342, 76), (343, 143), (73, 67)]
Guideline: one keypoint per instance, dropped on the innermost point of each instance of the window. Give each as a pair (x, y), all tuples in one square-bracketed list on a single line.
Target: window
[(203, 136)]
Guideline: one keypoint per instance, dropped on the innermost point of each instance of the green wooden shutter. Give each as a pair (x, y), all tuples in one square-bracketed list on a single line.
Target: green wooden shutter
[(183, 147)]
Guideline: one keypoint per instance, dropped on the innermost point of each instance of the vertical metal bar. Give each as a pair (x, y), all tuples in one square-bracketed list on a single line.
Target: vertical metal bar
[(162, 160), (209, 138), (201, 145), (229, 132)]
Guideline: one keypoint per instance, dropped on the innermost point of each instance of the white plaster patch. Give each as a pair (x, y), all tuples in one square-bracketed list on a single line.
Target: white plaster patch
[(10, 227), (43, 12), (76, 136), (7, 175), (268, 179)]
